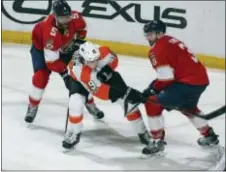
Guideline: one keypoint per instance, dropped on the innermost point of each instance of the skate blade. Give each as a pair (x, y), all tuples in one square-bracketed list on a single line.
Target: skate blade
[(68, 151), (101, 121), (29, 125), (212, 147), (154, 155)]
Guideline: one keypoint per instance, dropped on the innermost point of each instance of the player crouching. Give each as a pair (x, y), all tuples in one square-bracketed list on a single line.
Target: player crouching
[(181, 79), (94, 73), (53, 42)]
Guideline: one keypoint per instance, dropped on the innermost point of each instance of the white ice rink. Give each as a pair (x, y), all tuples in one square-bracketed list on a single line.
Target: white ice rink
[(108, 145)]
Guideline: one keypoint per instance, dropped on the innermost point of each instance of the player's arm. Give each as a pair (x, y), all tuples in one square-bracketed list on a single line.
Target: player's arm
[(113, 59), (53, 61), (108, 63), (36, 36), (118, 89), (165, 73), (82, 32), (165, 77), (79, 26)]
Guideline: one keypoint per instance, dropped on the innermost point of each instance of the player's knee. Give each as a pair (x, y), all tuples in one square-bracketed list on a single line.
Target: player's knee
[(76, 104), (189, 112), (40, 78), (153, 109), (133, 116)]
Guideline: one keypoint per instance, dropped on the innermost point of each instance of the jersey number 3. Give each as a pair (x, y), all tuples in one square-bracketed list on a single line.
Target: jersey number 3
[(183, 47)]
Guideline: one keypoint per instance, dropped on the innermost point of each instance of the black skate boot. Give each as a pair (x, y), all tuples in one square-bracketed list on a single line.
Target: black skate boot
[(94, 111), (144, 137), (210, 140), (70, 140), (31, 113), (155, 147)]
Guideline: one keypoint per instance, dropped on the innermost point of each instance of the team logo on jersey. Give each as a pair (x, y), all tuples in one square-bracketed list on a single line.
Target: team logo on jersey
[(153, 59), (49, 44)]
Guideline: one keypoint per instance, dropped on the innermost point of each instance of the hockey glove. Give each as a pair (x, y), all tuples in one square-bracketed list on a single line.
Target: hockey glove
[(134, 96), (65, 58), (72, 46), (105, 74), (150, 91), (67, 78)]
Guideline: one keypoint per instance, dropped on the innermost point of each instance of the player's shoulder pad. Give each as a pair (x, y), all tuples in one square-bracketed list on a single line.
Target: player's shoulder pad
[(48, 21), (104, 51), (78, 20), (48, 18), (76, 15), (161, 44)]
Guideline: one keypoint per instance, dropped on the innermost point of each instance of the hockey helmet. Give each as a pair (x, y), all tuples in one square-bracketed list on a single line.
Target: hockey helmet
[(156, 26), (62, 12), (89, 52)]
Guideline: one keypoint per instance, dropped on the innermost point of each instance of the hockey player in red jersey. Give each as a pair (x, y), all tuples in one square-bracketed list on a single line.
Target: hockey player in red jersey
[(54, 40), (181, 79)]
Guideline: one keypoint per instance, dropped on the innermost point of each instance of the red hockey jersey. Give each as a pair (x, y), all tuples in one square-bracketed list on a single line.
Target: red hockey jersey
[(47, 37), (174, 62)]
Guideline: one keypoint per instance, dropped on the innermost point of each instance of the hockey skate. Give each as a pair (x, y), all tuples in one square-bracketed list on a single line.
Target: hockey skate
[(210, 140), (31, 113), (94, 111), (155, 147), (70, 139), (144, 137)]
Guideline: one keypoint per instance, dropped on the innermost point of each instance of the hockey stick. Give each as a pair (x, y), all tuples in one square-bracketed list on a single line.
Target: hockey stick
[(218, 112), (66, 123), (208, 116), (213, 114)]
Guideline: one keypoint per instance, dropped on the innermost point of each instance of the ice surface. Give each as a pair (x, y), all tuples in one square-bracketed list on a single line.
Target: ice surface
[(108, 145)]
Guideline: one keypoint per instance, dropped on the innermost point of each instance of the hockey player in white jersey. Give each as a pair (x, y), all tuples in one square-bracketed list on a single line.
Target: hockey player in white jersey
[(94, 73)]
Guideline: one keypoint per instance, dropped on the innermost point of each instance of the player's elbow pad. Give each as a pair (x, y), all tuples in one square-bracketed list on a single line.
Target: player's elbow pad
[(114, 63)]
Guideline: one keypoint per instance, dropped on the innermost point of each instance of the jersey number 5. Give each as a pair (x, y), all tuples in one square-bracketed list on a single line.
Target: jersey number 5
[(53, 31)]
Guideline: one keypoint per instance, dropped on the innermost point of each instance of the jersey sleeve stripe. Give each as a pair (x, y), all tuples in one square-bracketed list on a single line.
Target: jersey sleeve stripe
[(51, 56), (107, 60), (77, 71), (165, 73)]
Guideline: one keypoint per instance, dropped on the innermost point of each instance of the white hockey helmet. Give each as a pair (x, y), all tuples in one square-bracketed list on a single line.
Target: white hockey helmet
[(89, 51)]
